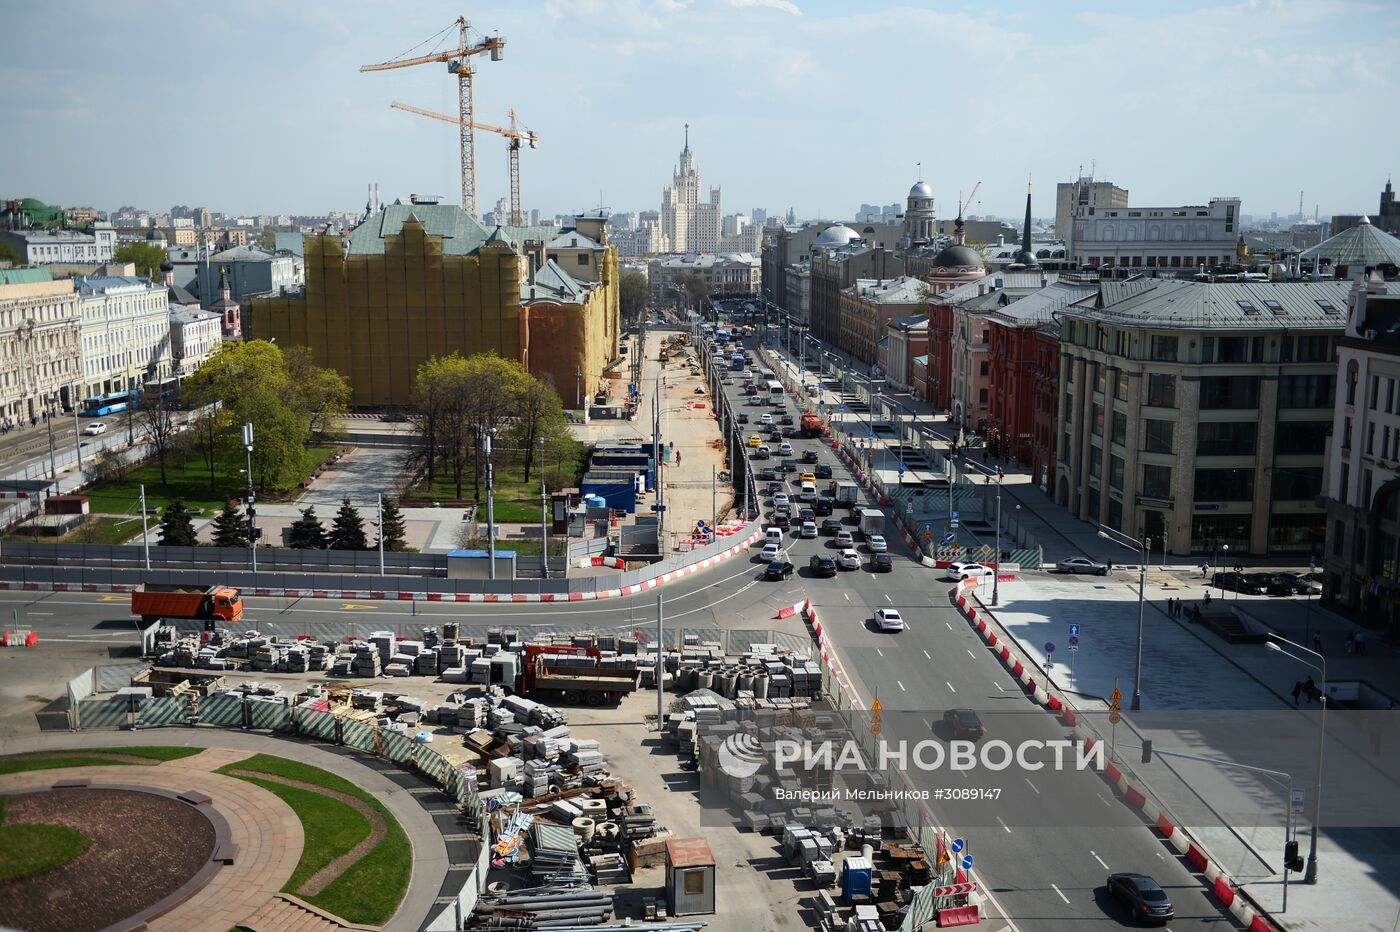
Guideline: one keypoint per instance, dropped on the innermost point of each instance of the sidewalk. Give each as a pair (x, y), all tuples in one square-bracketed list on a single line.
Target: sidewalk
[(1232, 702)]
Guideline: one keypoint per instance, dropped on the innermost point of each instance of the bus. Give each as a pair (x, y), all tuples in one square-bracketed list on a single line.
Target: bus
[(775, 391), (112, 403)]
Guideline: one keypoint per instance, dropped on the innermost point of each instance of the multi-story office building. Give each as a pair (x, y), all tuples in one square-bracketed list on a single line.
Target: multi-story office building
[(1362, 477), (40, 365), (194, 336), (61, 246), (731, 276), (1197, 414), (1083, 197), (868, 305), (839, 259), (125, 333), (1183, 238)]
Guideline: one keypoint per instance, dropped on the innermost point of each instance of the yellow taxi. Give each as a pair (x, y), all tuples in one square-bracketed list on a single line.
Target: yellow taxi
[(808, 477), (755, 440)]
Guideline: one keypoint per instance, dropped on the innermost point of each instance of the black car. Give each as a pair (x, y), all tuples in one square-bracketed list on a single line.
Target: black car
[(791, 433), (830, 526), (809, 456), (882, 563), (781, 519), (824, 506), (778, 570), (743, 418), (785, 419), (1237, 582), (1143, 895), (964, 724), (823, 470), (1297, 585), (774, 487), (766, 474), (822, 565)]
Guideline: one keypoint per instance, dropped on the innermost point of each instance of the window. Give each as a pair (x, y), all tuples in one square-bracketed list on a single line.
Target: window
[(1352, 376), (1120, 428), (1224, 485), (1365, 500), (1163, 349), (1232, 349), (982, 369), (982, 396), (1309, 391), (1157, 481), (695, 883), (1161, 390), (1371, 437), (1120, 388), (1339, 531), (1375, 391), (1314, 349), (1100, 374), (1097, 426), (1217, 438), (1220, 392), (1297, 484), (1301, 436), (1095, 463), (1115, 473), (1157, 436)]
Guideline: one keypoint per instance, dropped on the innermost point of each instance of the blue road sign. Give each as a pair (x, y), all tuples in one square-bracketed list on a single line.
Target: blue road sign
[(957, 845), (927, 528), (948, 539), (901, 467), (1049, 647), (1074, 642), (967, 862), (1312, 562), (841, 409), (1074, 631)]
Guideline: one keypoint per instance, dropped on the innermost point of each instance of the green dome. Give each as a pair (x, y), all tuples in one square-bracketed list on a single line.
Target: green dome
[(33, 203)]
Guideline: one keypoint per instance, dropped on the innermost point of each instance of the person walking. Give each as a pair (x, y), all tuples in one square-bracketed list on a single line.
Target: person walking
[(1311, 689), (1206, 600), (1297, 689), (1360, 640)]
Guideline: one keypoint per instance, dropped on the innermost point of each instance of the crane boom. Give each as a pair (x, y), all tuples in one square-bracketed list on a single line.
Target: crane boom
[(962, 208)]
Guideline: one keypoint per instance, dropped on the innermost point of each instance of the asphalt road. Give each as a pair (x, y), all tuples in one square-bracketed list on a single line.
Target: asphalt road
[(1043, 848)]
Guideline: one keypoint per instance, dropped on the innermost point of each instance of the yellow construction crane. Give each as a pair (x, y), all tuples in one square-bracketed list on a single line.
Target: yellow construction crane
[(514, 136), (458, 63)]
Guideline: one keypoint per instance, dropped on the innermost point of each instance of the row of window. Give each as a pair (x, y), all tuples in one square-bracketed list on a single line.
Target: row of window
[(1216, 485), (1224, 350)]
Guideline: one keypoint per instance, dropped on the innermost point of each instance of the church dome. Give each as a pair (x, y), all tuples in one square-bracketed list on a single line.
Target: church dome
[(957, 257), (921, 190), (838, 235)]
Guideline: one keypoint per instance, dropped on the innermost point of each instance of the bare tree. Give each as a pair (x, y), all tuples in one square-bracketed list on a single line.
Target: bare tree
[(157, 420)]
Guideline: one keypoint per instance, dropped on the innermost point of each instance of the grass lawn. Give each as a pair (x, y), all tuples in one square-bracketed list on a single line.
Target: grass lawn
[(88, 757), (188, 481), (524, 548), (27, 849), (97, 530), (370, 890), (517, 501)]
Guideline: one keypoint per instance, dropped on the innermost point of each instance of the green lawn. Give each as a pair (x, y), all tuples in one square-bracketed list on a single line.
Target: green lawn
[(370, 890), (27, 849), (516, 501), (88, 757), (97, 530), (188, 481)]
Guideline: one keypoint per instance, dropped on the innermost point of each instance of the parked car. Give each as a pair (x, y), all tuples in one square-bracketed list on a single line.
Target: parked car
[(882, 563), (844, 539), (960, 571), (1082, 565), (822, 565), (699, 390), (1236, 582), (778, 570), (889, 619), (823, 506), (964, 724), (830, 527), (809, 456), (1301, 585), (823, 471), (95, 428), (1269, 582), (1143, 895), (808, 529), (848, 559), (877, 543)]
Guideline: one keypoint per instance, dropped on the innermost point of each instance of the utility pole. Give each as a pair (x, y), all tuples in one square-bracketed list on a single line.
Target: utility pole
[(381, 532), (490, 505), (714, 502), (544, 518), (252, 510), (77, 432), (660, 668), (996, 561), (53, 459), (145, 538)]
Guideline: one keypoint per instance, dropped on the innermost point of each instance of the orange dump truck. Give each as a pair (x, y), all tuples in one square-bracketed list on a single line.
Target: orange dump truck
[(153, 601), (811, 425)]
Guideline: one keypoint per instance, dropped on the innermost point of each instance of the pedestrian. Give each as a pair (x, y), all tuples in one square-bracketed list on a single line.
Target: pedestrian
[(1311, 689), (1360, 643), (678, 457), (1204, 567), (1297, 688), (1206, 600), (1317, 643)]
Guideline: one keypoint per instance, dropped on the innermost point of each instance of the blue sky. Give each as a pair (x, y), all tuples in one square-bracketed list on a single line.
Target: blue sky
[(259, 107)]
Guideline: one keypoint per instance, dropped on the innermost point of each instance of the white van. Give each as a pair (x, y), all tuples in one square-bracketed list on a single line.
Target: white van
[(773, 535)]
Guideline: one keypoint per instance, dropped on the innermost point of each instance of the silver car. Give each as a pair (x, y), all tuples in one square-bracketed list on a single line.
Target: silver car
[(1082, 565)]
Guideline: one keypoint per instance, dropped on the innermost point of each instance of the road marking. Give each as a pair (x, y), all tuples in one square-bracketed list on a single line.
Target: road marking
[(1100, 860), (880, 652), (1061, 895), (358, 607), (971, 654), (39, 613), (928, 724), (888, 599), (950, 627), (998, 686), (1159, 856), (1003, 825), (1031, 785), (847, 595), (950, 686), (113, 598), (928, 655), (1104, 801), (901, 686)]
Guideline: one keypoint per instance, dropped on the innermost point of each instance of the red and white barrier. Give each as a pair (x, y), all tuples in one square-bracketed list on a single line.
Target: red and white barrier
[(787, 611), (1226, 892)]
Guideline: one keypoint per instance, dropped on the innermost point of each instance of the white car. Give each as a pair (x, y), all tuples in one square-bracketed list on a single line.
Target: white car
[(877, 544), (889, 619), (844, 539), (848, 559), (784, 448), (755, 400), (727, 380), (766, 419), (781, 500), (95, 428), (959, 571), (770, 552), (809, 529)]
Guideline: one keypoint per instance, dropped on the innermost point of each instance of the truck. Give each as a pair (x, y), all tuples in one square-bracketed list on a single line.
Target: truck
[(154, 601), (872, 521), (844, 492), (811, 424), (573, 675)]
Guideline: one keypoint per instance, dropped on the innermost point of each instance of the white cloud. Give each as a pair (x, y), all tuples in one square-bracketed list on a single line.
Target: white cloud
[(785, 6)]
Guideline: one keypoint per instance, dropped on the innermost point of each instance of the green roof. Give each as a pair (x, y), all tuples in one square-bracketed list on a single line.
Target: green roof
[(1361, 245), (24, 276), (462, 234)]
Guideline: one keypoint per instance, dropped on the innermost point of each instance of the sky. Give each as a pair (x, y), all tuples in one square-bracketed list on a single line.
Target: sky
[(259, 106)]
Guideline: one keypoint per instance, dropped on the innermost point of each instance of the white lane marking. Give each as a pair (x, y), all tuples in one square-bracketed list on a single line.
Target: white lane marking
[(950, 686), (1159, 856), (847, 595), (999, 686), (880, 652), (1061, 895), (928, 655), (1031, 785), (950, 627), (971, 654), (1104, 801), (1100, 860), (1003, 825), (38, 613), (901, 686), (928, 724), (888, 599)]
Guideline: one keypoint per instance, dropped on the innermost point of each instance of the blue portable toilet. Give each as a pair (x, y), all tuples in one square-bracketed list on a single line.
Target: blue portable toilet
[(855, 878)]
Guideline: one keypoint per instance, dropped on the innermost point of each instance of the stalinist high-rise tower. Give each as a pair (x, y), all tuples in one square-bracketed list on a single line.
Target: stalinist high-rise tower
[(689, 225)]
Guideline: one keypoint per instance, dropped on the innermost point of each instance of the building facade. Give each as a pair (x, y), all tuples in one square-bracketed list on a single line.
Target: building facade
[(868, 305), (906, 339), (194, 337), (40, 353), (1197, 414), (63, 247), (1083, 197), (125, 333), (1362, 562), (1183, 238), (689, 224), (732, 276), (839, 259)]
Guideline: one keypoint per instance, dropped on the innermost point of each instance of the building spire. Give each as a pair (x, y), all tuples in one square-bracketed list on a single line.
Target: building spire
[(1026, 258), (687, 138)]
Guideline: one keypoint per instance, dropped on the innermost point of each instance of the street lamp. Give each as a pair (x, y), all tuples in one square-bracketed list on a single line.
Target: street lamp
[(544, 518), (1123, 540), (1321, 667), (996, 563), (252, 510), (490, 503)]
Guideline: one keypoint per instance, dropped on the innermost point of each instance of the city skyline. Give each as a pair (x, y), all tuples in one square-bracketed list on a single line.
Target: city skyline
[(598, 82)]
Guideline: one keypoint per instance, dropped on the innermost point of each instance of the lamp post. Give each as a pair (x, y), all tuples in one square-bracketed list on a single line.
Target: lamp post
[(1107, 533), (490, 503), (544, 518), (996, 562), (252, 509), (1310, 876)]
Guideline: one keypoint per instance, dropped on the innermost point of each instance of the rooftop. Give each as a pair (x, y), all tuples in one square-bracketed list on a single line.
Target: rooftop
[(903, 290), (1040, 305), (462, 234), (24, 276), (1191, 305), (190, 315), (101, 284), (1362, 245)]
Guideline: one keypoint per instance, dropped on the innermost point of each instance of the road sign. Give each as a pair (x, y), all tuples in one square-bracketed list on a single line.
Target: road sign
[(957, 845), (928, 528), (986, 549), (1114, 718), (928, 535), (901, 467), (1049, 647), (1295, 801), (955, 889), (1116, 695), (1074, 642), (875, 728), (967, 862), (1074, 631), (953, 520), (877, 706)]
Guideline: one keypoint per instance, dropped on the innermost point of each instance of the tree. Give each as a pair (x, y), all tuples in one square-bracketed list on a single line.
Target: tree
[(8, 254), (209, 432), (230, 527), (392, 531), (177, 526), (146, 256), (348, 531), (633, 295), (106, 466), (458, 402), (157, 420), (538, 410), (306, 533), (318, 394), (697, 293)]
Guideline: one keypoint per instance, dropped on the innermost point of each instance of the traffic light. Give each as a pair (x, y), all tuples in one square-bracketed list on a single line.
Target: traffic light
[(1147, 750), (1292, 861)]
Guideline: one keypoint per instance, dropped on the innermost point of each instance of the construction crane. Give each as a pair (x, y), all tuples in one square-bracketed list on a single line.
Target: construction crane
[(514, 136), (459, 63), (962, 207)]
